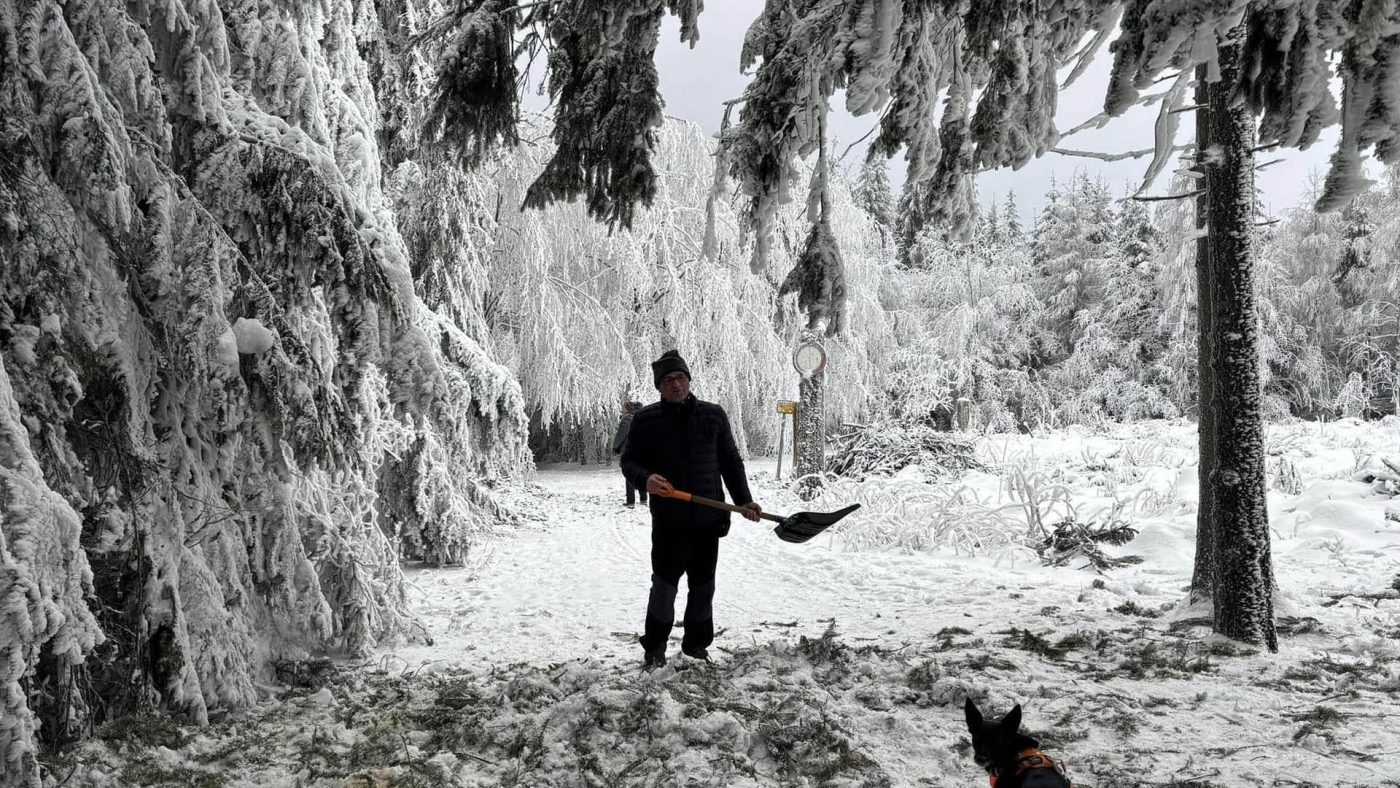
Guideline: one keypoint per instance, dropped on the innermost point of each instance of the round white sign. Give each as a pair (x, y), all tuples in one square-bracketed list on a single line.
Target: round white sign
[(809, 358)]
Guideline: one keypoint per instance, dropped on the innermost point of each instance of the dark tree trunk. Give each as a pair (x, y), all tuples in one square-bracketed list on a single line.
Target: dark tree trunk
[(1243, 576), (1202, 577), (811, 412)]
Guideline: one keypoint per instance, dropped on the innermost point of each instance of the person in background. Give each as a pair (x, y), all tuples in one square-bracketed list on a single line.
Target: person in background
[(624, 426), (684, 442)]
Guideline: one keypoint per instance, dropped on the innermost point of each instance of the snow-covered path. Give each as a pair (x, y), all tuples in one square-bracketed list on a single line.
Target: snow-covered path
[(571, 587), (532, 677), (573, 584)]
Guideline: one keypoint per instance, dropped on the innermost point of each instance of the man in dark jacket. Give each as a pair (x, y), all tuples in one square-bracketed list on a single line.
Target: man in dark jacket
[(624, 426), (681, 442)]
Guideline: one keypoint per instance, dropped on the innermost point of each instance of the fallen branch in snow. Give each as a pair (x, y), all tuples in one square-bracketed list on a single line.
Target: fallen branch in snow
[(474, 757), (1381, 596), (1188, 779), (1068, 540)]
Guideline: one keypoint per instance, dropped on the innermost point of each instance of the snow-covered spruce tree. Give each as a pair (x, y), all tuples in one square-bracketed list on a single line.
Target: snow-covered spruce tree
[(1205, 560), (1356, 251), (991, 224), (45, 583), (872, 193), (966, 323), (1242, 581), (1301, 313), (1175, 224), (1133, 316), (1012, 219), (214, 347), (1070, 246), (859, 358), (1279, 57), (1370, 290), (1228, 406), (1328, 291), (909, 225), (1112, 370)]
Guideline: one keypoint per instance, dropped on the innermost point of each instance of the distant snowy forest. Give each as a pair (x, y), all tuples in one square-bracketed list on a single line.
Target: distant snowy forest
[(1085, 315), (262, 337)]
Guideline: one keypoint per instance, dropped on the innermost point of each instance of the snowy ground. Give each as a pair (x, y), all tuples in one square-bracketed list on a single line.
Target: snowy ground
[(845, 661)]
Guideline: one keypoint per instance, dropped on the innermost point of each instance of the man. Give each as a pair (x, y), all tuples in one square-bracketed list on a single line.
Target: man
[(681, 442), (624, 426)]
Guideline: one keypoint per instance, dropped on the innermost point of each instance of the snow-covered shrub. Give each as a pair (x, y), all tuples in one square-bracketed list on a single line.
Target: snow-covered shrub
[(1286, 478), (964, 325), (1146, 453), (1041, 499), (886, 447), (910, 514)]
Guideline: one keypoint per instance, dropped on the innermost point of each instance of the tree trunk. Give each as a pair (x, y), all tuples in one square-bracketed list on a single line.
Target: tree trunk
[(810, 416), (1243, 576), (1202, 577)]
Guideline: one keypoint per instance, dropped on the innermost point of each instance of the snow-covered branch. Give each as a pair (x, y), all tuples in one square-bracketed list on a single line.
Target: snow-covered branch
[(1125, 155), (1169, 197)]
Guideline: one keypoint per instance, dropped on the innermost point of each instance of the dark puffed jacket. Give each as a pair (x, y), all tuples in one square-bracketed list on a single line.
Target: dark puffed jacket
[(691, 445)]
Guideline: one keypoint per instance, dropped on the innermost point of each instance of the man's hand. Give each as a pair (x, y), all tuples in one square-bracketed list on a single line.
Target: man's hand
[(657, 485), (752, 511)]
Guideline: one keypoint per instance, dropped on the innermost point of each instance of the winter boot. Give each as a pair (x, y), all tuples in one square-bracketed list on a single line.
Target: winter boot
[(697, 653), (653, 659)]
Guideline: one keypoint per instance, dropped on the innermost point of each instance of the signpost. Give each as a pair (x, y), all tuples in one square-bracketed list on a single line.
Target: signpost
[(786, 408), (809, 358)]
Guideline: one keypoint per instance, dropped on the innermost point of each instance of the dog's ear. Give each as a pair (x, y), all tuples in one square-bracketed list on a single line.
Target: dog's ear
[(1012, 721), (974, 717)]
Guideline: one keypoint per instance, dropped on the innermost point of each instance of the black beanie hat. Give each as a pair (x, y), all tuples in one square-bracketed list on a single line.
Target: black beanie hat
[(669, 362)]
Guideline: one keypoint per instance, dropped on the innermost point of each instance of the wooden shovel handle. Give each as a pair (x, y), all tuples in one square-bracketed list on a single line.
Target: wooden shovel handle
[(712, 503)]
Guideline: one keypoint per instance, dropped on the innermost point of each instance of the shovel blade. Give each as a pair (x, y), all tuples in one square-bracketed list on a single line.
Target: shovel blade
[(802, 526)]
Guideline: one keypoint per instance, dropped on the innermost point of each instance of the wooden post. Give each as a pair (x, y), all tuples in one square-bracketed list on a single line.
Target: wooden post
[(785, 408)]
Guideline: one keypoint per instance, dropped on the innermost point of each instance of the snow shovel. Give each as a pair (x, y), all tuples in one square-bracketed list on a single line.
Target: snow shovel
[(795, 528)]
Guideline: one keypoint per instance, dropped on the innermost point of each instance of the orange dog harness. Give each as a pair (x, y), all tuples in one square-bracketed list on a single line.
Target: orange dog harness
[(1029, 759)]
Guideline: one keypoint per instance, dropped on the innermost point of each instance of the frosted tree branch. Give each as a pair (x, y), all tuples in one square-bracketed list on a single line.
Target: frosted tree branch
[(1168, 197), (1125, 155)]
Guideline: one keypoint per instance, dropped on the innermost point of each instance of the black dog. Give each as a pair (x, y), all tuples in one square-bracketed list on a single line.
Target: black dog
[(1012, 759)]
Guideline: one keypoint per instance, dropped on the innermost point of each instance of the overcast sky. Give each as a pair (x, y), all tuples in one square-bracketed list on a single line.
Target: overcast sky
[(695, 83)]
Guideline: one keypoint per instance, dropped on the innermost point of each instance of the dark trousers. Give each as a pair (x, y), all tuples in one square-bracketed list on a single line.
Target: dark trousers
[(692, 551), (633, 493)]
